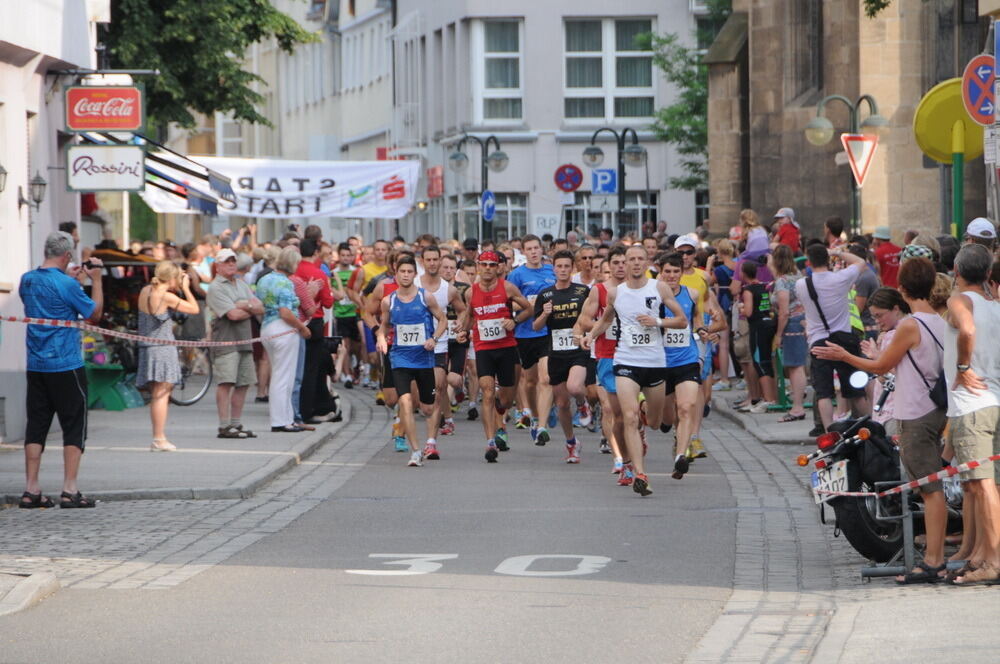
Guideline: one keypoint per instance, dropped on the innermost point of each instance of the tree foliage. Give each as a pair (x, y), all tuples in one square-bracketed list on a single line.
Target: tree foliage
[(198, 47), (873, 7), (684, 123)]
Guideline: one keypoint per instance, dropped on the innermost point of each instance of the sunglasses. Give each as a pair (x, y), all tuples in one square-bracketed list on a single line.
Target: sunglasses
[(485, 264), (687, 252)]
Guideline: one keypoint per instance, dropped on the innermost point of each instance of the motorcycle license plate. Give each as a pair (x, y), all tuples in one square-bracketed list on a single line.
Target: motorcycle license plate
[(833, 478)]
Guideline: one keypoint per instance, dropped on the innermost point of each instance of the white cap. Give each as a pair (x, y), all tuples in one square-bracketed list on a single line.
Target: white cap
[(688, 240), (785, 212), (981, 227), (224, 255)]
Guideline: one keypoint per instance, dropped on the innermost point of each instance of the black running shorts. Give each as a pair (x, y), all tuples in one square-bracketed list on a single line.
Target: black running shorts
[(402, 377), (457, 353), (348, 328), (686, 373), (532, 349), (559, 366), (642, 376), (501, 363)]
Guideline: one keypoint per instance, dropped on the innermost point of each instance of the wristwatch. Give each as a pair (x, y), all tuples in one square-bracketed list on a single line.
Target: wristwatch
[(962, 368)]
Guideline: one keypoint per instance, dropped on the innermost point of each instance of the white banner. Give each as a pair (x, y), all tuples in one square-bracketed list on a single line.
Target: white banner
[(105, 168), (285, 189)]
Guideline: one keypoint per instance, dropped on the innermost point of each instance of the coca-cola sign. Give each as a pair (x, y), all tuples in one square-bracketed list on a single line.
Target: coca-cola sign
[(104, 108), (105, 168)]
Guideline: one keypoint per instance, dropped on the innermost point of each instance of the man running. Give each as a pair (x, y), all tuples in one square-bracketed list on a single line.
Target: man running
[(557, 308), (697, 280), (635, 305), (361, 280), (458, 352), (492, 322), (604, 351), (531, 279), (345, 315), (448, 299), (416, 323)]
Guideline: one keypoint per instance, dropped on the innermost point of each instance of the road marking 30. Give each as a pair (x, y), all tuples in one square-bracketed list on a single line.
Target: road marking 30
[(427, 563)]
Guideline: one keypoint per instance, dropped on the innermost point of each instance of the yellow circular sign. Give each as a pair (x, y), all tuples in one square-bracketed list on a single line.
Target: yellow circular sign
[(935, 119)]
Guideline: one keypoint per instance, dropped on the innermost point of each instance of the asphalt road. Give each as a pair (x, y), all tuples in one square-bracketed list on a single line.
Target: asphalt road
[(526, 560)]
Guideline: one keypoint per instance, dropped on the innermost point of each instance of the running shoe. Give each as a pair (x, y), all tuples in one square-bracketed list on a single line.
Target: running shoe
[(401, 444), (641, 485), (431, 452), (618, 466), (524, 421), (706, 411), (722, 386), (500, 440), (533, 432), (760, 407), (740, 385), (573, 453), (553, 418), (348, 384), (697, 448), (448, 428), (415, 459), (492, 453), (379, 398), (459, 397), (515, 414), (626, 476), (454, 407), (542, 437), (681, 465), (473, 414), (605, 448), (584, 416)]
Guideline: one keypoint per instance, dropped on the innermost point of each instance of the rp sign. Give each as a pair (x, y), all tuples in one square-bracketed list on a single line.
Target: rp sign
[(977, 89)]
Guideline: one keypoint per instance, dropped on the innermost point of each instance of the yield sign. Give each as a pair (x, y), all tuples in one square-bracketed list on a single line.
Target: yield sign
[(860, 149)]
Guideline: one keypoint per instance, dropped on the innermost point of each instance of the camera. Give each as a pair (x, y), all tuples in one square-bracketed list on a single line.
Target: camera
[(88, 264)]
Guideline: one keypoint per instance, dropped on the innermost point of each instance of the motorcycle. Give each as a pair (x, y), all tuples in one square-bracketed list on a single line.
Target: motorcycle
[(856, 455)]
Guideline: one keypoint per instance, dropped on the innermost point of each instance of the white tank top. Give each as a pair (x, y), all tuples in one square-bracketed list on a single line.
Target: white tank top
[(638, 346), (985, 359), (441, 295)]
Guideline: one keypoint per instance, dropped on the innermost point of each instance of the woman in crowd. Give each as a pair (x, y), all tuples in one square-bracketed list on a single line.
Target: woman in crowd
[(276, 291), (159, 367), (915, 356), (888, 308), (790, 333)]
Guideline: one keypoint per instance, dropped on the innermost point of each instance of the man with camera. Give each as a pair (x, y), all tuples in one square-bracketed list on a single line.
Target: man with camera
[(57, 383)]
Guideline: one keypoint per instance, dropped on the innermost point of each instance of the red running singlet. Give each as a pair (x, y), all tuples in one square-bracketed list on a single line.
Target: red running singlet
[(489, 309), (604, 347)]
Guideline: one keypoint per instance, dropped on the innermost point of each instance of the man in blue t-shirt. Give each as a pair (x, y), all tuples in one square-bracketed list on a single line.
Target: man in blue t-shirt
[(57, 384), (532, 345)]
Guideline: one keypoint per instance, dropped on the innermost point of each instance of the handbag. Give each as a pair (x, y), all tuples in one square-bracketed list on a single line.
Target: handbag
[(840, 337), (939, 391)]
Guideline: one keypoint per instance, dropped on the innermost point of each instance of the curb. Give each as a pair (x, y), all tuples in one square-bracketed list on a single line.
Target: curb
[(244, 487), (721, 406), (30, 590)]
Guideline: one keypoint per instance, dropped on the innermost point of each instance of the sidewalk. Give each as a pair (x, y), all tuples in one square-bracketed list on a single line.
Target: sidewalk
[(117, 463), (765, 428)]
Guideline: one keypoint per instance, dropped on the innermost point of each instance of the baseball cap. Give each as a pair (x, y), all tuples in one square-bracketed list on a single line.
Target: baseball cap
[(882, 233), (981, 227), (785, 212), (488, 257), (686, 241), (224, 255), (470, 243)]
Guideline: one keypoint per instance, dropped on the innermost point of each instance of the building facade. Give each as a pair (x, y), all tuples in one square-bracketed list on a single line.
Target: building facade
[(775, 60)]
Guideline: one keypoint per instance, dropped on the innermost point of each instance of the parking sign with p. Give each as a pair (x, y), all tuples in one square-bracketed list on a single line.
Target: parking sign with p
[(604, 181)]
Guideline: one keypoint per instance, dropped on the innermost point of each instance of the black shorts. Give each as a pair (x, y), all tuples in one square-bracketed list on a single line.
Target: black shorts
[(59, 393), (822, 370), (560, 365), (686, 373), (591, 378), (387, 382), (348, 328), (642, 376), (457, 353), (532, 349), (441, 361), (402, 377), (500, 363)]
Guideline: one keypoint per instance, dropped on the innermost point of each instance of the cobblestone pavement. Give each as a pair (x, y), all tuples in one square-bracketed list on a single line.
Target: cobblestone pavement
[(158, 544)]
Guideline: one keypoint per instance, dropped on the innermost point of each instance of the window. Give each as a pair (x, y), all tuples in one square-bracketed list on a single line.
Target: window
[(804, 48), (511, 219), (498, 81), (608, 74), (700, 206), (640, 207)]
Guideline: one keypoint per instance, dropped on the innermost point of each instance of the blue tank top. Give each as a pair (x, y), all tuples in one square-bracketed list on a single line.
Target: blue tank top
[(412, 324), (679, 346)]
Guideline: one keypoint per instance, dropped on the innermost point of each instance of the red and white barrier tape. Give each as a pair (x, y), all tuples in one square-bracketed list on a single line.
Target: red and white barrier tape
[(950, 471), (52, 322)]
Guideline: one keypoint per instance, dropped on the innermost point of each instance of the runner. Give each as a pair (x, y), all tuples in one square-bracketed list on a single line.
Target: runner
[(376, 289), (532, 388), (696, 280), (470, 272), (458, 352), (586, 262), (360, 280), (347, 323), (410, 314), (448, 299), (635, 305), (557, 308), (604, 351), (489, 310)]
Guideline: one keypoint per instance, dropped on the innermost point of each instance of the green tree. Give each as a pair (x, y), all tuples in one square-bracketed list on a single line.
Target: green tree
[(198, 47), (873, 7), (684, 123)]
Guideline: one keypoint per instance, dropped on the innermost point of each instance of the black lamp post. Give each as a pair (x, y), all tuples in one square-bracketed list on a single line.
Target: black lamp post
[(496, 161), (632, 154)]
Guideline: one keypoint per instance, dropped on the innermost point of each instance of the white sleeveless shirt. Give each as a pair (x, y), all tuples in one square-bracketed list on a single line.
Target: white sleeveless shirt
[(985, 359), (638, 345), (441, 295)]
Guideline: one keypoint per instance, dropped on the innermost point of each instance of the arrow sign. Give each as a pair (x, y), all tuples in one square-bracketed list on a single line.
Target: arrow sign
[(860, 149), (977, 89)]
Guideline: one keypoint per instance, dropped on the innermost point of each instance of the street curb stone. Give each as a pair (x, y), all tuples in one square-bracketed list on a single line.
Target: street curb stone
[(30, 590), (721, 406), (245, 487)]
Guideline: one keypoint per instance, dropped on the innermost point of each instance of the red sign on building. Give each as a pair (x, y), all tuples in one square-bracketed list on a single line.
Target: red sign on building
[(435, 182), (104, 108)]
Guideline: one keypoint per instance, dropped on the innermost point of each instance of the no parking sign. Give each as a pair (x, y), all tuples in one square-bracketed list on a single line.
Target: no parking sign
[(977, 89)]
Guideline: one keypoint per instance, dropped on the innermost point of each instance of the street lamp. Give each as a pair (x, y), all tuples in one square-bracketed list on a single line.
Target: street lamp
[(495, 161), (36, 188), (820, 131), (632, 154)]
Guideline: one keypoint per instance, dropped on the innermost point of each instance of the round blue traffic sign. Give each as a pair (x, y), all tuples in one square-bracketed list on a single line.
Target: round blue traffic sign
[(568, 178), (977, 89), (488, 205)]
